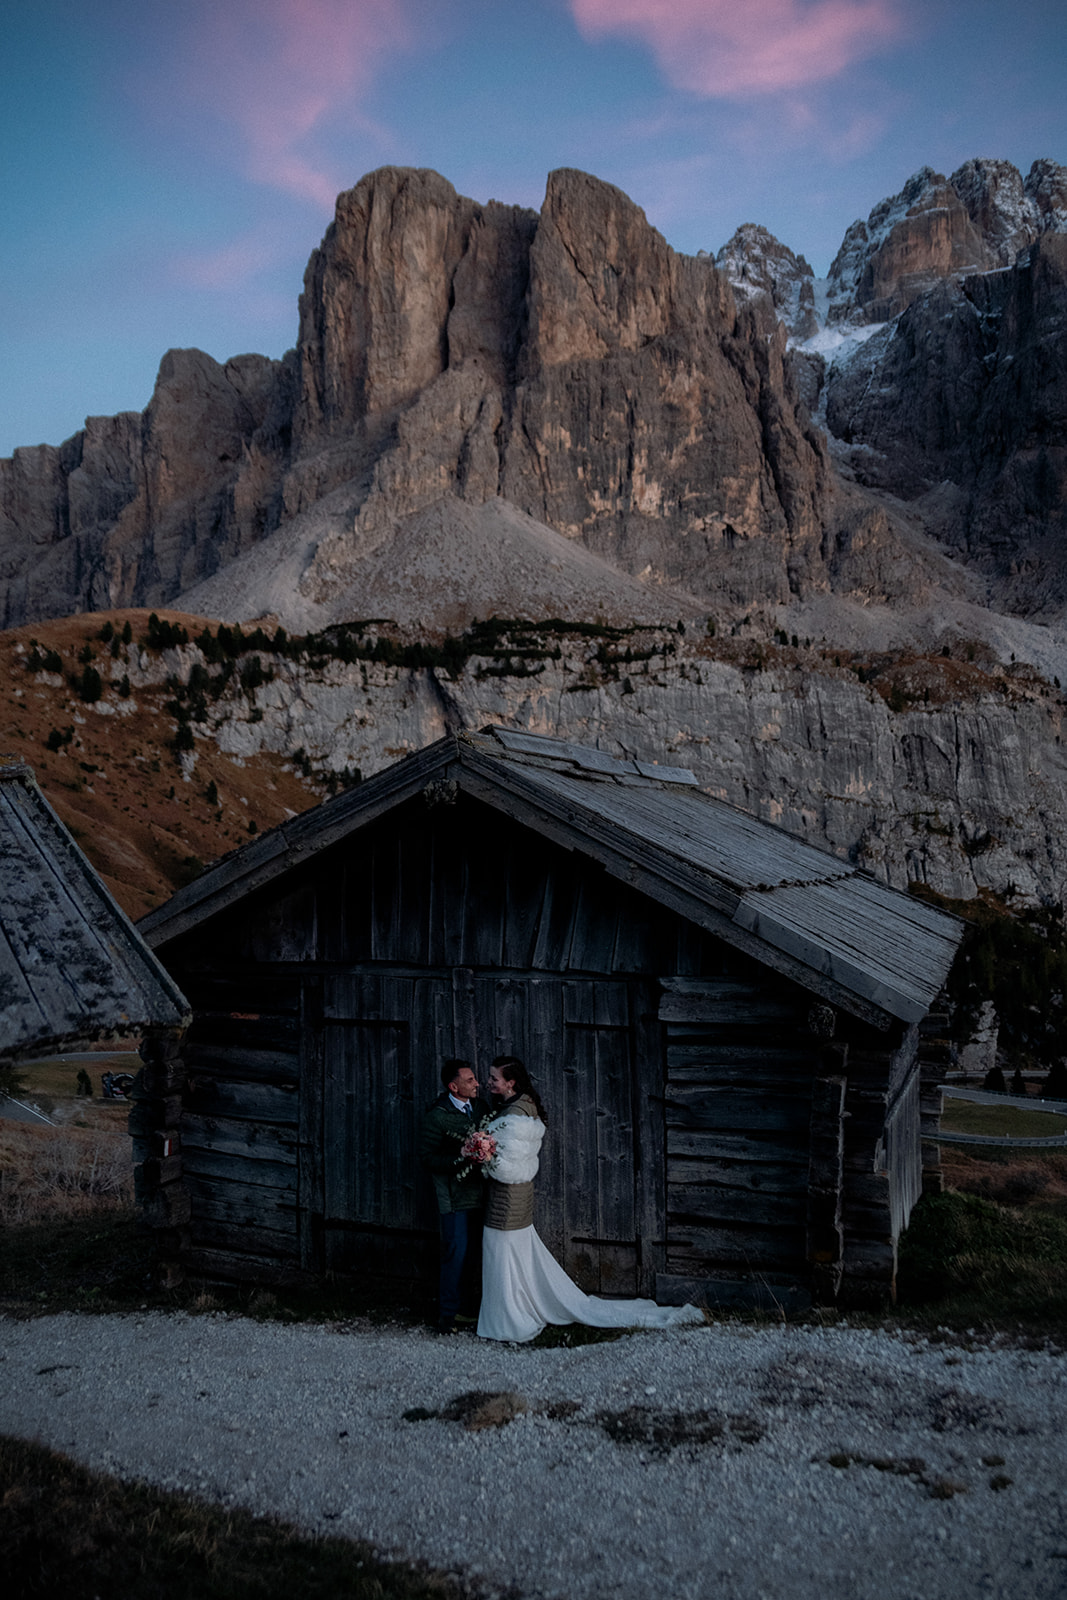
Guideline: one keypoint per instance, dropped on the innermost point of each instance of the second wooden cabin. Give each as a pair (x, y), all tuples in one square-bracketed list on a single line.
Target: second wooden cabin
[(724, 1021)]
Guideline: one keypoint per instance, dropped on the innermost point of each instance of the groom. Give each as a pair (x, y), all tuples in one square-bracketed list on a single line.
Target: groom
[(454, 1114)]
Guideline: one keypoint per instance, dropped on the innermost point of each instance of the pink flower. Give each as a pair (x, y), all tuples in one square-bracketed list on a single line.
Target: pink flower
[(478, 1148)]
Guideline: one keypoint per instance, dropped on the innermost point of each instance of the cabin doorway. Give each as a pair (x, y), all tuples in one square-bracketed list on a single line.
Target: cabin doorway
[(384, 1038)]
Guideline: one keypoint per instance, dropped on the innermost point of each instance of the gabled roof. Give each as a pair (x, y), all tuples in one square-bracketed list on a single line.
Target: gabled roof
[(833, 929), (72, 965)]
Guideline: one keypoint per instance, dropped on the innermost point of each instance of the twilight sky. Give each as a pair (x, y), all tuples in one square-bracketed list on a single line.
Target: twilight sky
[(172, 163)]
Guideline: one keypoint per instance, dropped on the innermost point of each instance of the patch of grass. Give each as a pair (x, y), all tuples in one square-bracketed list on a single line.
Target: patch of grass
[(477, 1410), (1000, 1122), (50, 1174), (88, 1263), (58, 1075), (971, 1260), (1036, 1179), (67, 1531)]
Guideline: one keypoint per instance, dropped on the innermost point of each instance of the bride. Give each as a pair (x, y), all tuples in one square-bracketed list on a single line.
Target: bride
[(523, 1286)]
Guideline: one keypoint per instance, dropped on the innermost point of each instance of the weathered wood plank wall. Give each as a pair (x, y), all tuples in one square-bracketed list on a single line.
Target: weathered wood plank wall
[(738, 1108), (240, 1126)]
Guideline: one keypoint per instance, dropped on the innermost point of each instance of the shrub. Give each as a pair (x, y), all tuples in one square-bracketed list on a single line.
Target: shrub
[(164, 635), (46, 661), (12, 1081), (89, 686), (189, 869), (253, 674), (61, 1172), (959, 1245), (1055, 1084), (1019, 962)]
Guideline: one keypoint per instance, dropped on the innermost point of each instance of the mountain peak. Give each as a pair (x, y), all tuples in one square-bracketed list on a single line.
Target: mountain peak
[(937, 228)]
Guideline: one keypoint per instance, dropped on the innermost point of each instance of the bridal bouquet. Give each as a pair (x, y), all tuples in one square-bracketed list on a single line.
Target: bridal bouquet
[(476, 1151), (478, 1148)]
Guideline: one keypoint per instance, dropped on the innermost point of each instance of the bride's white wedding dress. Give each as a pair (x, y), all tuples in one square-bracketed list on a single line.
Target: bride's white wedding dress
[(523, 1285)]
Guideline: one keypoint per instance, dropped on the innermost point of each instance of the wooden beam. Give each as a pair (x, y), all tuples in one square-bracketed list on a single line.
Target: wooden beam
[(825, 1229)]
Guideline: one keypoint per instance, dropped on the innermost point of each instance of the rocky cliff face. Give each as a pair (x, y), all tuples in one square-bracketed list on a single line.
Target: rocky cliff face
[(936, 228), (570, 362), (960, 404), (140, 505), (642, 403), (757, 264), (960, 784), (941, 372), (930, 769)]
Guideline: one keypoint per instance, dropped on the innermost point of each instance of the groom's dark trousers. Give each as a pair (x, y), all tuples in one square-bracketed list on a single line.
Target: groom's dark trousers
[(460, 1201)]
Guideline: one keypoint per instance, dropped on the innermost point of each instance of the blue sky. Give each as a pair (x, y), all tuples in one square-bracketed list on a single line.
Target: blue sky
[(170, 166)]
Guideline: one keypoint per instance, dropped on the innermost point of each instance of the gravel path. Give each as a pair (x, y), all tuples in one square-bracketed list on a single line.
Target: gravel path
[(739, 1462)]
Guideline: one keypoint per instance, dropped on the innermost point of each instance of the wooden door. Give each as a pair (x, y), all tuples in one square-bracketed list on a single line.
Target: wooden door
[(576, 1038), (383, 1039)]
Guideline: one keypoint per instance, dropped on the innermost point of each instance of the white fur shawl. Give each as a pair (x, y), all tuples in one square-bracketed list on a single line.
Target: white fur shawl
[(518, 1139)]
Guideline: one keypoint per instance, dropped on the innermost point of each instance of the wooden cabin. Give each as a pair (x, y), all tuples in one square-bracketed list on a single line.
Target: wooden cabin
[(724, 1021), (73, 967)]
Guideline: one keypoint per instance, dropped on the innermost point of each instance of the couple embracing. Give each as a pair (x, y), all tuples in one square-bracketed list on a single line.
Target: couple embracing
[(483, 1160)]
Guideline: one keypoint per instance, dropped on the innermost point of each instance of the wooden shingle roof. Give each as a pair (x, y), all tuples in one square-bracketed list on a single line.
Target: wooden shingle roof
[(815, 918), (72, 965)]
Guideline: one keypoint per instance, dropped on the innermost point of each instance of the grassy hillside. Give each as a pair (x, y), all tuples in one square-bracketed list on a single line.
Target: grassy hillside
[(108, 764)]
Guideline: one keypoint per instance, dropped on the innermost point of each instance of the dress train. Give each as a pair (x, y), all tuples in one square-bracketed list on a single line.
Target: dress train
[(524, 1287)]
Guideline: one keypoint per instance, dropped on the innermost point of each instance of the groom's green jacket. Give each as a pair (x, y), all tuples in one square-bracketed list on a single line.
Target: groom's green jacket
[(441, 1133)]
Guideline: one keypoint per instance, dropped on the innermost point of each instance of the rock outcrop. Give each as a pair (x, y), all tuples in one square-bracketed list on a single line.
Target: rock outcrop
[(964, 793), (756, 263), (139, 506), (940, 228)]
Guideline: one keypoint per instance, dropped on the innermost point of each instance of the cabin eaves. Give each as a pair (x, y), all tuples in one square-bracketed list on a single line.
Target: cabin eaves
[(872, 950), (72, 965)]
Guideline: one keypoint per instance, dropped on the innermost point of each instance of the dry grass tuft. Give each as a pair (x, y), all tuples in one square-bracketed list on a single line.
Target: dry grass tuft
[(53, 1174)]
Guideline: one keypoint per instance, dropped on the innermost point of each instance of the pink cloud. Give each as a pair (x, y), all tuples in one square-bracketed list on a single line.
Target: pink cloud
[(280, 71), (234, 266), (737, 48)]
